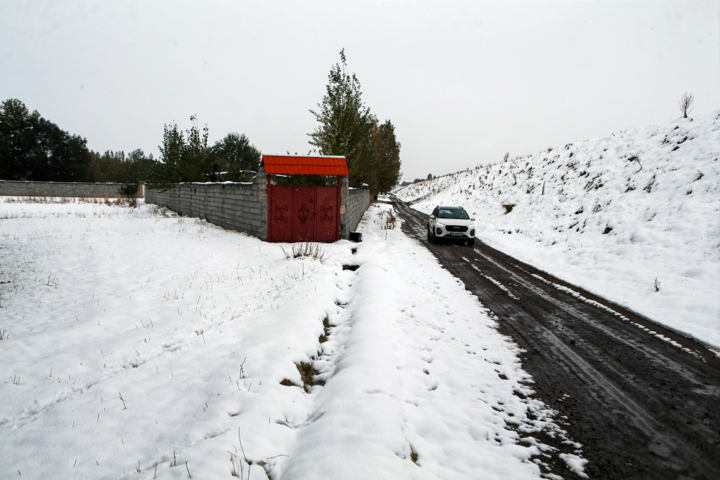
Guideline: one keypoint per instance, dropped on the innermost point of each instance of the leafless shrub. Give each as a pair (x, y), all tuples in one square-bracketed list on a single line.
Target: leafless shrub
[(390, 220), (635, 158), (4, 334), (657, 285), (685, 103), (306, 249)]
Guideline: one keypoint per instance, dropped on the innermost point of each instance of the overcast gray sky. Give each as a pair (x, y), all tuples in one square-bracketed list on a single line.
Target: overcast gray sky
[(463, 82)]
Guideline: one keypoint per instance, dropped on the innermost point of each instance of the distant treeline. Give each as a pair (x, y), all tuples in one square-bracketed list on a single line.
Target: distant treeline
[(35, 149), (417, 180)]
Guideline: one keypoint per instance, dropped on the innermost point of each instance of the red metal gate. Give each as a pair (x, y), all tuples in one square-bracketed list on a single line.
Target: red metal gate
[(303, 214), (327, 214), (280, 214)]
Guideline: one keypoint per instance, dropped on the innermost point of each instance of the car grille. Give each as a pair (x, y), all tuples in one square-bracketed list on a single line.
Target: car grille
[(455, 228)]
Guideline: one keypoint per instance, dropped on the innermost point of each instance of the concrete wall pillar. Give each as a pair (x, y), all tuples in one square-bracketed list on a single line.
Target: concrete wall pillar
[(344, 188)]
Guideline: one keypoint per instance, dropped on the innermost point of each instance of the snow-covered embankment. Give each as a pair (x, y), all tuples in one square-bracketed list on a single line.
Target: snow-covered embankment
[(633, 217)]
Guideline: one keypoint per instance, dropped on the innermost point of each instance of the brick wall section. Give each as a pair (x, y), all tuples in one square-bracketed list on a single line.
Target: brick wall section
[(14, 188), (235, 206), (357, 202)]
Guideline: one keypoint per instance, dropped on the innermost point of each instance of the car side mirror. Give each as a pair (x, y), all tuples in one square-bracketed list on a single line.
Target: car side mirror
[(432, 217), (472, 219)]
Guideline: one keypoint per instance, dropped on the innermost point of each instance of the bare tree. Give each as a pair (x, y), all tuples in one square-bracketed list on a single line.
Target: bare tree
[(685, 104)]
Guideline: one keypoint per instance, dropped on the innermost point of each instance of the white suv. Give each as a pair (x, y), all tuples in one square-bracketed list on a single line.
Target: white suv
[(452, 223)]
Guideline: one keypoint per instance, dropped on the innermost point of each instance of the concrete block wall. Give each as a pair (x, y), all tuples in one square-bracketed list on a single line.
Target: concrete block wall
[(357, 202), (243, 206), (235, 206), (16, 188)]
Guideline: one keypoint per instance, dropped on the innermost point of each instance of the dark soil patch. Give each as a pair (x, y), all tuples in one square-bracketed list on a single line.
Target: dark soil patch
[(307, 373), (326, 330), (413, 455)]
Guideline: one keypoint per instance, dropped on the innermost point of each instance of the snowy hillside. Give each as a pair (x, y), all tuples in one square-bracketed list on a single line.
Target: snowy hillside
[(634, 217)]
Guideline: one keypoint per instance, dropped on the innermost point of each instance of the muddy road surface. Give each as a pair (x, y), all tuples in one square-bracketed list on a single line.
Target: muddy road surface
[(642, 400)]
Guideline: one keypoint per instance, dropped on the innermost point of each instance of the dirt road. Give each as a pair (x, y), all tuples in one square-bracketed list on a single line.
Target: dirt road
[(643, 401)]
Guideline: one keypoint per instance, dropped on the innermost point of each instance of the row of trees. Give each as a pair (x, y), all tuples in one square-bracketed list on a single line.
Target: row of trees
[(117, 167), (187, 157), (34, 148)]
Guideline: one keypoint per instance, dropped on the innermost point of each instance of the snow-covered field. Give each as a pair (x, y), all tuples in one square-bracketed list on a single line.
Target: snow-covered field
[(633, 217), (136, 341)]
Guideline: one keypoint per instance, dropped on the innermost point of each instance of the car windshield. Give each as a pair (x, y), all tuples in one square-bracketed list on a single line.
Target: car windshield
[(456, 213)]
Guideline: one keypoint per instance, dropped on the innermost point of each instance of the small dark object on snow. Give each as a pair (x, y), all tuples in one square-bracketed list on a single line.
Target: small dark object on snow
[(355, 236)]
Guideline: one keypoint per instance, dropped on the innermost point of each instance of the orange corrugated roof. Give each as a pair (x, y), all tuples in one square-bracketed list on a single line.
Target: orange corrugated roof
[(302, 165)]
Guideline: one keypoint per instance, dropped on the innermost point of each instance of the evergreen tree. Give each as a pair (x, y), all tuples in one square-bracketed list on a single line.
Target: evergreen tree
[(346, 124), (386, 156), (237, 157), (347, 127), (184, 159), (33, 148)]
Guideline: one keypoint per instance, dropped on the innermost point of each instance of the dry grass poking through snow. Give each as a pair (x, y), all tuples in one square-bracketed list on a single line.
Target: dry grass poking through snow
[(306, 250)]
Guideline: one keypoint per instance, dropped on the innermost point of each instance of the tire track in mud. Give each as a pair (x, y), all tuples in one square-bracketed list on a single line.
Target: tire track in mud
[(641, 399)]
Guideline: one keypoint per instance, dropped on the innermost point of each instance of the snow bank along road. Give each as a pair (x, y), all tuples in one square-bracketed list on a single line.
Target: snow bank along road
[(642, 400), (136, 343)]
